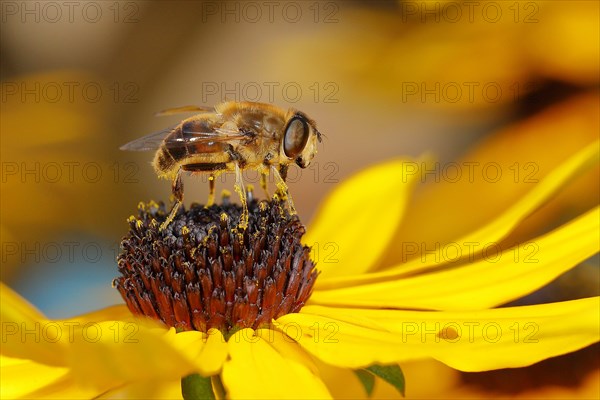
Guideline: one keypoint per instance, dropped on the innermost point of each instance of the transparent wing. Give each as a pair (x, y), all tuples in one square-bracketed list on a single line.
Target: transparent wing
[(184, 109), (205, 134), (190, 134), (149, 142)]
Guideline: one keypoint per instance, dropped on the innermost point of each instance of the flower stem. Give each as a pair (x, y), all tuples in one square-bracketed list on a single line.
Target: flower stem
[(196, 387)]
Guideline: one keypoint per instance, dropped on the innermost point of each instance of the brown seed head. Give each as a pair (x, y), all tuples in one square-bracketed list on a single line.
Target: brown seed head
[(203, 272)]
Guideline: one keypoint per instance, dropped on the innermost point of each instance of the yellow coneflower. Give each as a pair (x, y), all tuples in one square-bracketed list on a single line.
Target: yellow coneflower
[(249, 314)]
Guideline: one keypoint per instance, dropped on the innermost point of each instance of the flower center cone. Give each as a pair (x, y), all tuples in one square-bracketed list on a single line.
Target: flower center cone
[(204, 272)]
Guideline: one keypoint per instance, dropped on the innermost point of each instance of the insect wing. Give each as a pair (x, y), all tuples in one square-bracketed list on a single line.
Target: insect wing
[(184, 109), (149, 142), (203, 134)]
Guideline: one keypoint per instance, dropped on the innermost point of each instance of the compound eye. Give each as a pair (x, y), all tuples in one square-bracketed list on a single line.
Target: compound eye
[(296, 136)]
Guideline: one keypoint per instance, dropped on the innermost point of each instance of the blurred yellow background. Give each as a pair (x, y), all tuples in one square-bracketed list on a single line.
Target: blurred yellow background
[(513, 83)]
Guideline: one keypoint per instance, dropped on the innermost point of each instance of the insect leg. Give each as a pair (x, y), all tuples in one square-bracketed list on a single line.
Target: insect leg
[(211, 190), (263, 183), (264, 171), (241, 191), (283, 170), (282, 187), (177, 190)]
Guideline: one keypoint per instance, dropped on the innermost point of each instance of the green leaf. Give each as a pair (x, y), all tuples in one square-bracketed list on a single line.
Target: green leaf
[(367, 379), (391, 374), (196, 387)]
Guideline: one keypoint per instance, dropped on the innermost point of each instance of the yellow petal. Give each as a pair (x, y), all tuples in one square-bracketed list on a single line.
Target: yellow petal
[(213, 355), (281, 342), (471, 245), (27, 379), (469, 341), (26, 333), (257, 370), (153, 390), (118, 312), (16, 307), (353, 344), (489, 282), (515, 153), (106, 353), (344, 384), (115, 352), (501, 226), (348, 220)]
